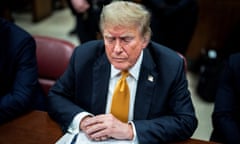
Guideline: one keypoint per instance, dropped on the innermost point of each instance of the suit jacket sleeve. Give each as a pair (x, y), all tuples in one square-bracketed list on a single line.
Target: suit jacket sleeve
[(61, 97), (20, 76), (226, 121)]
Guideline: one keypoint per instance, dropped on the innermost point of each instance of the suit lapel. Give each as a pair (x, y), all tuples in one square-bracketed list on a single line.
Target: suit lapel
[(101, 74), (145, 88)]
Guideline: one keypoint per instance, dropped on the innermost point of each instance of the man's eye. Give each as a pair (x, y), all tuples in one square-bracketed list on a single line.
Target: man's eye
[(127, 39), (110, 39)]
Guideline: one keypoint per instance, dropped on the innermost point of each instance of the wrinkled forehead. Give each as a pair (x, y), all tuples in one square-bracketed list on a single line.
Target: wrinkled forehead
[(121, 31)]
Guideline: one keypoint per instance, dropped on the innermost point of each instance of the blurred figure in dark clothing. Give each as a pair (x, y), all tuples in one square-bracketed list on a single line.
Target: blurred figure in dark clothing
[(173, 22), (226, 118), (87, 14), (20, 91)]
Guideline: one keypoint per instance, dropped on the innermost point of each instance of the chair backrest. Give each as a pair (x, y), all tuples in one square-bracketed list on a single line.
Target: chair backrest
[(185, 61), (53, 55)]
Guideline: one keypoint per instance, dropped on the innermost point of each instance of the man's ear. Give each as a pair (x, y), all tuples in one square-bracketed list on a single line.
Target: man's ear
[(145, 41)]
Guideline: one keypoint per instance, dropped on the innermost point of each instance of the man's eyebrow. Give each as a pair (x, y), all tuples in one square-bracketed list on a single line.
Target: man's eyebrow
[(126, 35), (107, 35), (122, 36)]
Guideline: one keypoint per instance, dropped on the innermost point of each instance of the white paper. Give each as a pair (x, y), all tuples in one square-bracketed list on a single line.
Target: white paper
[(83, 139)]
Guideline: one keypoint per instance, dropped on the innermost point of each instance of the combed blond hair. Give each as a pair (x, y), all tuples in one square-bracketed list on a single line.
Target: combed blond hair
[(125, 13)]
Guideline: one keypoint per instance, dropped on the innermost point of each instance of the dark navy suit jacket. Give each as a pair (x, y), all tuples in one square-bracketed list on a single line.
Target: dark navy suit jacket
[(226, 117), (18, 71), (163, 109)]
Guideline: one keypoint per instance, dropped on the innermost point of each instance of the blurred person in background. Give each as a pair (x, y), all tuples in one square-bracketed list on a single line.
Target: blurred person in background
[(19, 89), (86, 13), (226, 117), (173, 22)]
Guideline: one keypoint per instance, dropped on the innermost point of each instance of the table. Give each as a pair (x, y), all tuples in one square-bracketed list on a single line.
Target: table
[(37, 127)]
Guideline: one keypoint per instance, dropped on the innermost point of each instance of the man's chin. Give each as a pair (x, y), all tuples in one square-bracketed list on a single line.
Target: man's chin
[(121, 67)]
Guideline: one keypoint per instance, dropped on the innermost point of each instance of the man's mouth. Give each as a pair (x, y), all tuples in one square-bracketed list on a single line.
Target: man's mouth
[(119, 59)]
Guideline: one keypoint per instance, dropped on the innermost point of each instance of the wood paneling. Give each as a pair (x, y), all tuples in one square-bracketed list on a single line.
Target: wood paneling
[(41, 9), (216, 18)]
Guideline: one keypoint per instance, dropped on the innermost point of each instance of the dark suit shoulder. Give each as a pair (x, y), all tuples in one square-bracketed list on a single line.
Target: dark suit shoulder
[(161, 57), (13, 36), (159, 51), (234, 65), (235, 59), (89, 52), (13, 30), (91, 48)]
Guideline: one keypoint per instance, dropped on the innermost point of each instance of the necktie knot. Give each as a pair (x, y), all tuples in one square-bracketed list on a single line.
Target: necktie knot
[(123, 81), (124, 74)]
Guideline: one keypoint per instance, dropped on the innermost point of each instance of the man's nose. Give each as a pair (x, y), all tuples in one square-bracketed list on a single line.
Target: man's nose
[(117, 46)]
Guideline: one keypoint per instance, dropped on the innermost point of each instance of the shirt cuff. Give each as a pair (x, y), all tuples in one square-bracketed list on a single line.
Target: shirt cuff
[(74, 126), (135, 138)]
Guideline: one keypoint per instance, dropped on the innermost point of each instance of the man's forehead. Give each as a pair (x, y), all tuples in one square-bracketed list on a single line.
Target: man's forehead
[(120, 29), (128, 34)]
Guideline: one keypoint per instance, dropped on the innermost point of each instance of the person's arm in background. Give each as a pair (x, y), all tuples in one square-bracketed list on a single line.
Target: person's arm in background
[(79, 6), (25, 76), (225, 111)]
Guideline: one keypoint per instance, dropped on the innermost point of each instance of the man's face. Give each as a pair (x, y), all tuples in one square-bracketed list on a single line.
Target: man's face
[(123, 45)]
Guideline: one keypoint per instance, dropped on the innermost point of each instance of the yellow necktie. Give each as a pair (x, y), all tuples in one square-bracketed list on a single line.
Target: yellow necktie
[(120, 100)]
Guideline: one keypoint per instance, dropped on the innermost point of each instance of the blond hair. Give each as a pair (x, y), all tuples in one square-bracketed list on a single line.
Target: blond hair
[(125, 13)]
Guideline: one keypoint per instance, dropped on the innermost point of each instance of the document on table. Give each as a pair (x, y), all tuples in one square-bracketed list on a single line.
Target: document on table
[(81, 138)]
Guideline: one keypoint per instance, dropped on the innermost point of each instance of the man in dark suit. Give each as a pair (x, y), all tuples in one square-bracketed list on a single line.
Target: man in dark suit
[(18, 72), (173, 22), (86, 13), (226, 118), (160, 108)]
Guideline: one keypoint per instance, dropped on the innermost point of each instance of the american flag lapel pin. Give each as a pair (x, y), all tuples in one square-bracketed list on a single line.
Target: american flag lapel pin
[(150, 78)]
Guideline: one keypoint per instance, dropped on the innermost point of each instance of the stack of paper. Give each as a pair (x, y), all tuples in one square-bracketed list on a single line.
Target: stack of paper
[(81, 138)]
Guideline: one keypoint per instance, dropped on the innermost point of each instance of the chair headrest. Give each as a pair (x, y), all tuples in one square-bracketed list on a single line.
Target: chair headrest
[(53, 56)]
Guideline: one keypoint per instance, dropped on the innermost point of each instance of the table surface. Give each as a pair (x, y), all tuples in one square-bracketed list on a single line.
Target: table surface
[(37, 127), (33, 128)]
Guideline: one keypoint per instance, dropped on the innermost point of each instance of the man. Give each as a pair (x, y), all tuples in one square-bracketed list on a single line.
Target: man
[(173, 22), (160, 107), (19, 89), (86, 13), (226, 118)]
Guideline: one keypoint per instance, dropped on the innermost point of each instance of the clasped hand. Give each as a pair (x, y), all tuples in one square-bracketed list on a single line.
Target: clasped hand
[(105, 126)]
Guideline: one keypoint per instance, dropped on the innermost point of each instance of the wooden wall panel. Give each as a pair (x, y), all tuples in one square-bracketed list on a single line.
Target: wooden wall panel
[(41, 9), (216, 19)]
